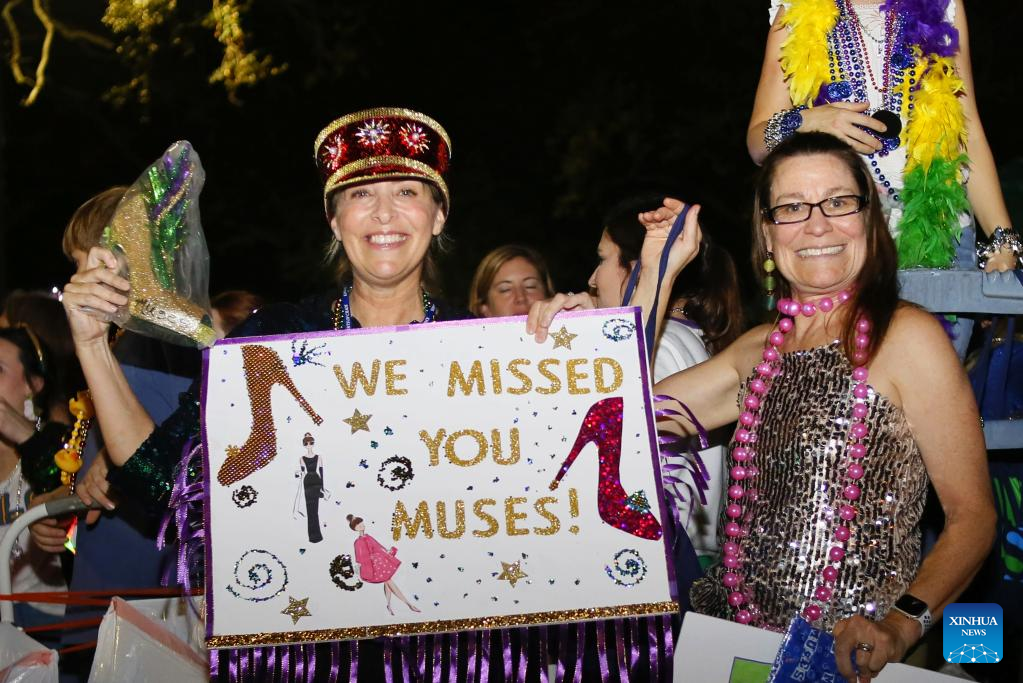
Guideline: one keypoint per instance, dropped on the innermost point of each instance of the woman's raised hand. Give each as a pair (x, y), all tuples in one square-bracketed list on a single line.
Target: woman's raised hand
[(846, 121), (541, 313), (93, 295), (658, 225)]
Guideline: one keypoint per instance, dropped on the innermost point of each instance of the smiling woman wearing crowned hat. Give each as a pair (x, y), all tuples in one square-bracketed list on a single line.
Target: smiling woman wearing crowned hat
[(386, 201)]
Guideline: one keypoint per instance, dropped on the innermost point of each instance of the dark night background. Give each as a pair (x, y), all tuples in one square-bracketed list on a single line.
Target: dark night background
[(555, 109)]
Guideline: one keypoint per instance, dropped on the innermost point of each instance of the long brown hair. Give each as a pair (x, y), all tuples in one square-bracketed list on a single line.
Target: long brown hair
[(876, 293), (710, 284)]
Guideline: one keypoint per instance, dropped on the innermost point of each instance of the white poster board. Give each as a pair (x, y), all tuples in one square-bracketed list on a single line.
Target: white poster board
[(444, 440), (713, 650)]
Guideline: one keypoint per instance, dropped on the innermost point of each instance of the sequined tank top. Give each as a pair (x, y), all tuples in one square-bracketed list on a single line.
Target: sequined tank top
[(801, 443)]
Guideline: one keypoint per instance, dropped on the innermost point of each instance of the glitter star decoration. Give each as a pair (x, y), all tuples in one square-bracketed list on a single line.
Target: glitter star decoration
[(358, 421), (563, 338), (511, 572), (297, 609)]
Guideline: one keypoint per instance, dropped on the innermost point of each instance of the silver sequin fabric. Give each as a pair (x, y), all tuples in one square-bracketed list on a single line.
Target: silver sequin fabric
[(801, 455)]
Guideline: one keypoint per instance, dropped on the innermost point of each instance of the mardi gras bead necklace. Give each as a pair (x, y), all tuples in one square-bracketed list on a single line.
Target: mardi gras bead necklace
[(69, 458), (743, 475), (342, 310)]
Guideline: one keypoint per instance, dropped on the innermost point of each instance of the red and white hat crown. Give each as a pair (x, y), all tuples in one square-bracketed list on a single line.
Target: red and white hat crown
[(380, 144)]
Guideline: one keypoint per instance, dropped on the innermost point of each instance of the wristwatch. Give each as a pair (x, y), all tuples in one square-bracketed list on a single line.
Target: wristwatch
[(916, 609)]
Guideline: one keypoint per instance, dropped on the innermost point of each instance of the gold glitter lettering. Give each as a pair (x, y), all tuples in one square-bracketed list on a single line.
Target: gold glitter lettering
[(541, 508), (527, 383), (391, 376), (492, 525), (495, 375), (369, 385), (598, 374), (574, 376), (433, 444), (442, 520), (400, 520), (510, 515), (555, 386), (455, 374), (481, 448), (495, 437)]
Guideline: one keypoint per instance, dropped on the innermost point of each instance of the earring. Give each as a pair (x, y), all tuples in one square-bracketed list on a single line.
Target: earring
[(770, 298)]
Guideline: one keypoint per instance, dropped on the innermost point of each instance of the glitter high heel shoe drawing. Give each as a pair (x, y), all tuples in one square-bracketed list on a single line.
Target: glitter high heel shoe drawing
[(264, 369), (603, 427)]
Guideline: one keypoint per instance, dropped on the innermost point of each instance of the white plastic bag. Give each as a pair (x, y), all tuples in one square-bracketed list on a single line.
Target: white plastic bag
[(23, 660), (150, 640)]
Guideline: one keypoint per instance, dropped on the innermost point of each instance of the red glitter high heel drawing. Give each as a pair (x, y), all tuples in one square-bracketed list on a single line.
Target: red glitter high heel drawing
[(603, 427), (264, 369)]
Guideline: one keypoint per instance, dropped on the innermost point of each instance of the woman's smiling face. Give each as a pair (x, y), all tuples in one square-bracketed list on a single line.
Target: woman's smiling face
[(385, 228), (820, 255)]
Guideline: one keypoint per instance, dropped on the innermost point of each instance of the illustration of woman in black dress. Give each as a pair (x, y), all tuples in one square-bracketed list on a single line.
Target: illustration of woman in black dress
[(311, 485)]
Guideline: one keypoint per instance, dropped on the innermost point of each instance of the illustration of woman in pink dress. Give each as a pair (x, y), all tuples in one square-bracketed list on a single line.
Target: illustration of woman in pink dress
[(377, 564)]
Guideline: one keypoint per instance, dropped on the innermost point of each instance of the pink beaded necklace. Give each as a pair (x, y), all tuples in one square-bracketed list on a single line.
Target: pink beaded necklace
[(743, 474)]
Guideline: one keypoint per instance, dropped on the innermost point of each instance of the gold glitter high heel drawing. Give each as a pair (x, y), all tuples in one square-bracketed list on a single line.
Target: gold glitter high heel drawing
[(264, 369)]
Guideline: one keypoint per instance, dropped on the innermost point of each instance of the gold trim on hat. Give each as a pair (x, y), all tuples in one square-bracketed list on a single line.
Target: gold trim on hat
[(379, 112), (337, 178), (443, 625)]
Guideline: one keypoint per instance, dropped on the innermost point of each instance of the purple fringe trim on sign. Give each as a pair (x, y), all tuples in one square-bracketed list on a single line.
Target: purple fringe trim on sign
[(679, 457), (184, 510)]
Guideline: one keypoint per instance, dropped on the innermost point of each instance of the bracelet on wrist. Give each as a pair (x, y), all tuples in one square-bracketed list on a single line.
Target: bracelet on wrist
[(1001, 239), (782, 125)]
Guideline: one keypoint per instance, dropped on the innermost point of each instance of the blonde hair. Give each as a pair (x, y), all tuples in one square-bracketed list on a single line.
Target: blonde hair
[(84, 230), (486, 271)]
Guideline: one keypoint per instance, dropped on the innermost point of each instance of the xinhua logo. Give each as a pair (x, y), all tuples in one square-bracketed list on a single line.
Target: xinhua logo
[(972, 632)]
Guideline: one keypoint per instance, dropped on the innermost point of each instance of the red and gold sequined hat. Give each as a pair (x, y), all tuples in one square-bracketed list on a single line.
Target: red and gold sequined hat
[(382, 144)]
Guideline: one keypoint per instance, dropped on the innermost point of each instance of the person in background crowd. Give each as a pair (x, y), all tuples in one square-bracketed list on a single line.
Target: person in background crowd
[(231, 308), (705, 315), (508, 281), (42, 313), (156, 372), (24, 385)]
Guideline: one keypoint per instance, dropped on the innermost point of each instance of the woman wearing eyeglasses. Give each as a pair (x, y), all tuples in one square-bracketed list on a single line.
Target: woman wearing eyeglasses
[(893, 80), (847, 405)]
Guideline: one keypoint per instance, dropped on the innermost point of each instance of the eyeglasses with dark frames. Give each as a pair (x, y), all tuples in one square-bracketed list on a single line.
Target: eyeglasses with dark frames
[(832, 207)]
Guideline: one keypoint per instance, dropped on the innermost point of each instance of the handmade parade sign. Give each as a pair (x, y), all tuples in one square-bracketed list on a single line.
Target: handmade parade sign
[(430, 478)]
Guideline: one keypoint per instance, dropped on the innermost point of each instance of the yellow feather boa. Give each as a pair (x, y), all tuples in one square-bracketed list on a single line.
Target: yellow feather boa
[(937, 125), (804, 54)]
